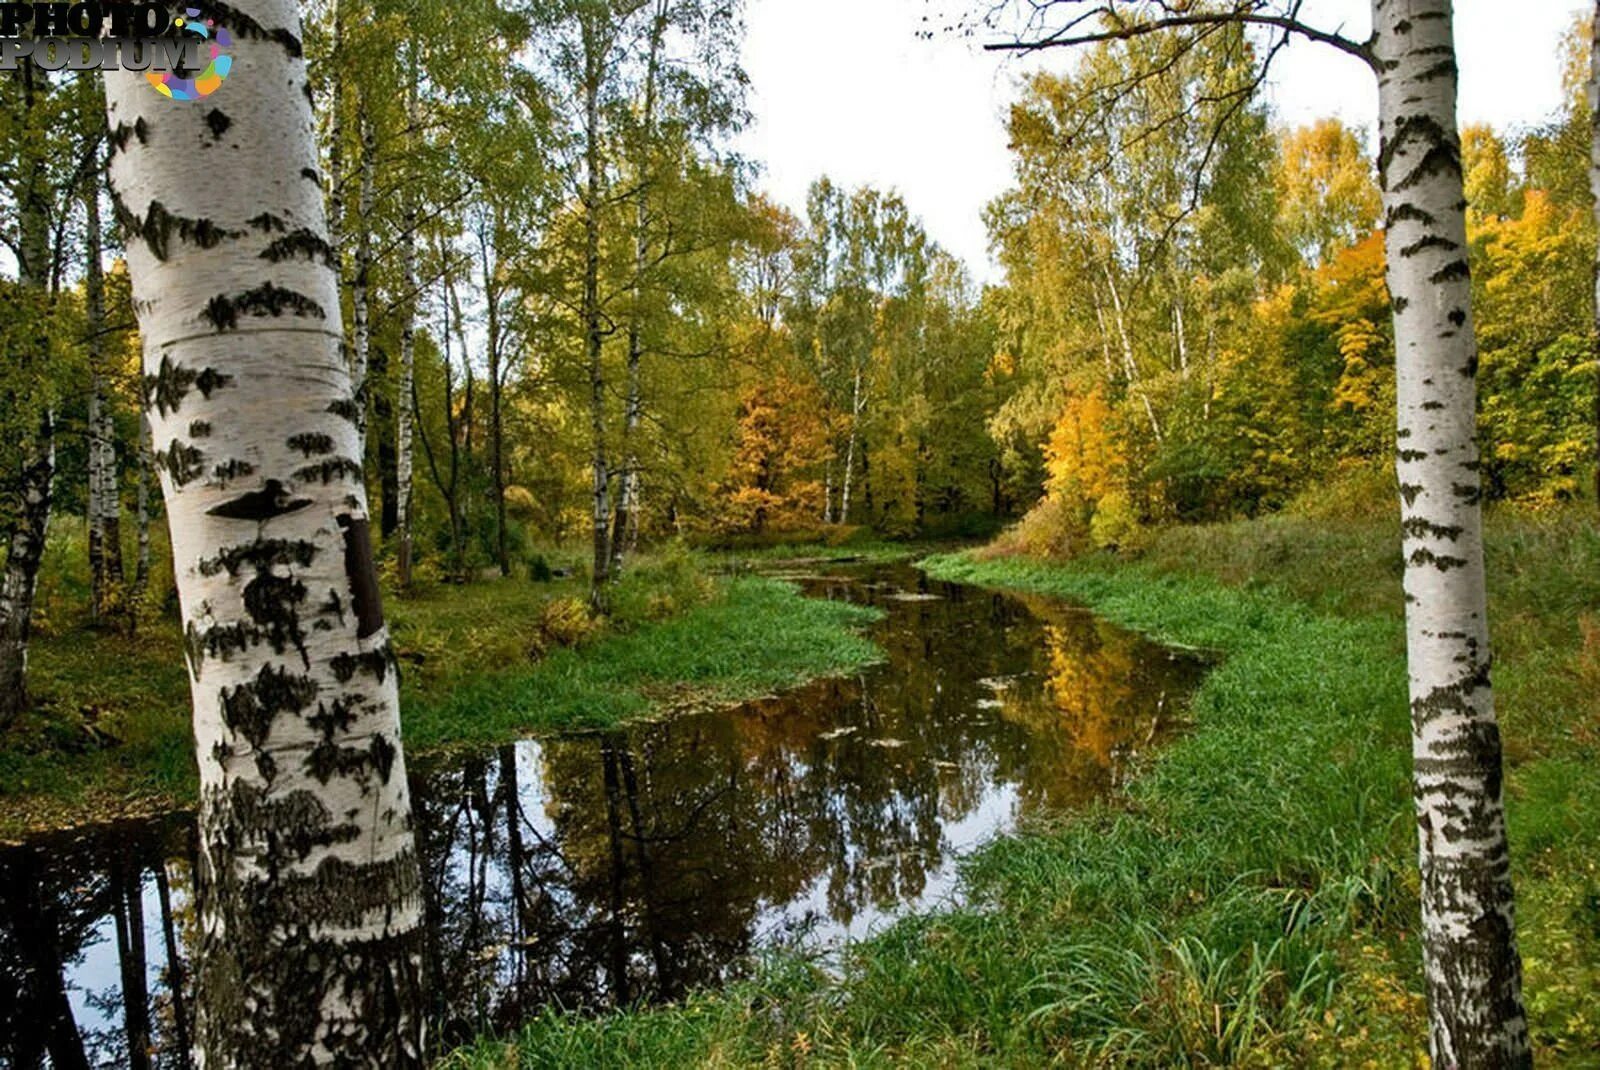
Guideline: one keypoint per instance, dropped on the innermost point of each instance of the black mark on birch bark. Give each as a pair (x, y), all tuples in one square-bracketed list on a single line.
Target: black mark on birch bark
[(362, 573), (271, 501)]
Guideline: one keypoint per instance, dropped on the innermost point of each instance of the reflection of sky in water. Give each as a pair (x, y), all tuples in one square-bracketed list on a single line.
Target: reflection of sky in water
[(657, 858), (805, 921)]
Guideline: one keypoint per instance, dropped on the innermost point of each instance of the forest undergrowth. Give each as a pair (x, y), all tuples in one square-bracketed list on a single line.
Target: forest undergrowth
[(481, 663)]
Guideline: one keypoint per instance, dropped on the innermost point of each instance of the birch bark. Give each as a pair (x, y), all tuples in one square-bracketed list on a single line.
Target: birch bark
[(626, 528), (594, 337), (1473, 973), (404, 456), (308, 882), (105, 498), (361, 285), (141, 512), (1594, 186), (35, 482), (857, 404)]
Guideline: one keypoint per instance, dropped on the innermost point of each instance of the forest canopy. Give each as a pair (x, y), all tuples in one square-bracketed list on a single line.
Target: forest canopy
[(572, 307)]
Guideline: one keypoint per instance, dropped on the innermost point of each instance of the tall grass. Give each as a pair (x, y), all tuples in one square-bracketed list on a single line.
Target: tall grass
[(1254, 899)]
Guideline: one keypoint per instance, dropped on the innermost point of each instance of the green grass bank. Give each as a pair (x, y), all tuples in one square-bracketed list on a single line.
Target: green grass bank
[(482, 663), (1253, 899)]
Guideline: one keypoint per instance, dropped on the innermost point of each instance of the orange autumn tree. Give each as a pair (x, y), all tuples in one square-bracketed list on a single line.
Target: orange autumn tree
[(781, 440), (1086, 467)]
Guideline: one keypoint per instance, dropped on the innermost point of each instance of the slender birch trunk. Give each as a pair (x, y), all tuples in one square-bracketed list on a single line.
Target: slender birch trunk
[(857, 402), (35, 483), (487, 236), (1130, 366), (460, 436), (593, 332), (468, 409), (1594, 186), (1473, 972), (105, 497), (21, 578), (408, 352), (625, 530), (141, 568), (360, 288), (308, 883), (1181, 338), (1105, 335)]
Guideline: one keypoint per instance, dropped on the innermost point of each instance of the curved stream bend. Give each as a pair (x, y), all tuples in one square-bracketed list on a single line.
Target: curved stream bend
[(639, 863)]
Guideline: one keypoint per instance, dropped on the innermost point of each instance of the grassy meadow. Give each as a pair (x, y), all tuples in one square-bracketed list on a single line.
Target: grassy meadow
[(1252, 901)]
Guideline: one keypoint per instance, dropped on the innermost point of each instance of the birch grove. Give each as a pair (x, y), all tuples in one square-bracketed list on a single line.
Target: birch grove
[(309, 886), (527, 333)]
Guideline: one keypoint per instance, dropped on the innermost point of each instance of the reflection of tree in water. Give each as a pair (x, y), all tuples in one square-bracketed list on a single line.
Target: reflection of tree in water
[(1105, 698), (636, 864), (111, 896)]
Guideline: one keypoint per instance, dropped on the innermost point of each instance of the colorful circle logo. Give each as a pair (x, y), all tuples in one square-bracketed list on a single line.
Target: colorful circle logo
[(215, 42)]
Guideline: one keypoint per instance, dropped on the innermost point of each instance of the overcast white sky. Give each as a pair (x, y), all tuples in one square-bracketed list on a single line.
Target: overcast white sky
[(845, 88)]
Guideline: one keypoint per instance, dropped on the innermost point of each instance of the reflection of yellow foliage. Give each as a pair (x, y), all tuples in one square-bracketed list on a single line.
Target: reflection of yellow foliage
[(1092, 688)]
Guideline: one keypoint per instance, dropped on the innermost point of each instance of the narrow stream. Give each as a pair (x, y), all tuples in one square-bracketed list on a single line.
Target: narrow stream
[(637, 864)]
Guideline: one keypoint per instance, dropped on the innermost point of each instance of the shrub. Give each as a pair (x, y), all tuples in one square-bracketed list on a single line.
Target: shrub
[(563, 622)]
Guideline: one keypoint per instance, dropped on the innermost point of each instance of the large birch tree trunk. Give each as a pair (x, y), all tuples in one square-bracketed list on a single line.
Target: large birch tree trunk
[(141, 513), (308, 881), (1473, 973)]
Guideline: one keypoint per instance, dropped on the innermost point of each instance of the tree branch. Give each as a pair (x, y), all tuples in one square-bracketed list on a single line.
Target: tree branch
[(1065, 38)]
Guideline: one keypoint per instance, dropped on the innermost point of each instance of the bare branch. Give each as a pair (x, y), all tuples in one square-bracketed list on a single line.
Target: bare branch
[(1068, 36)]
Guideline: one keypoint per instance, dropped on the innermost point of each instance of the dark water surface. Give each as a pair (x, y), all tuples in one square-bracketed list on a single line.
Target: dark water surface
[(638, 863)]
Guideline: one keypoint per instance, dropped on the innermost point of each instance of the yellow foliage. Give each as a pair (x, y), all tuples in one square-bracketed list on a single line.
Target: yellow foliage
[(1358, 388), (1115, 524), (562, 622), (782, 438), (1084, 459), (521, 504)]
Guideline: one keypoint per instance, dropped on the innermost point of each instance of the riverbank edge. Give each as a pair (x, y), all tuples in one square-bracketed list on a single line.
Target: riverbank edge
[(755, 636), (1251, 898)]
